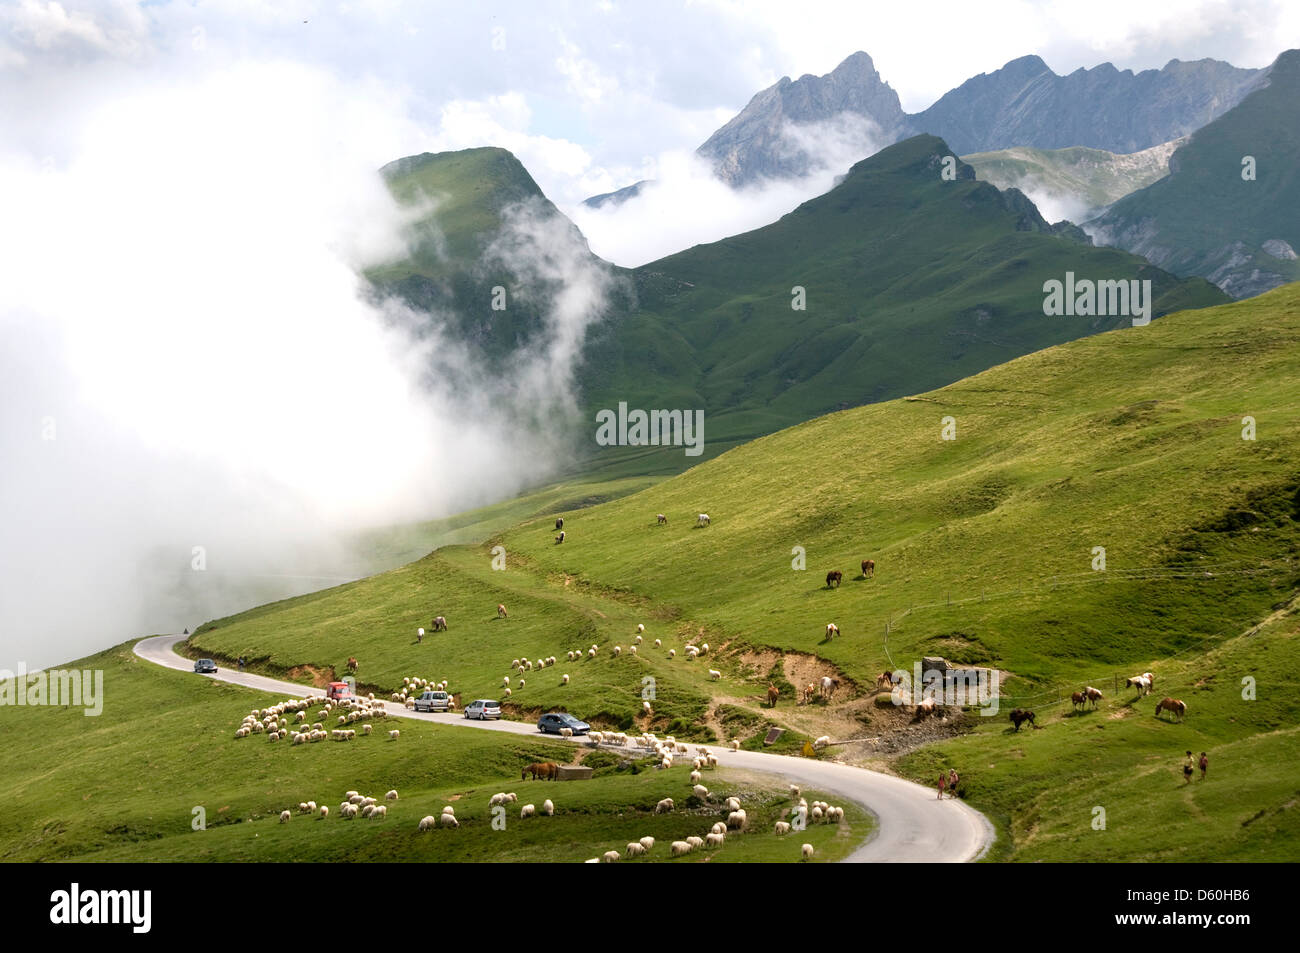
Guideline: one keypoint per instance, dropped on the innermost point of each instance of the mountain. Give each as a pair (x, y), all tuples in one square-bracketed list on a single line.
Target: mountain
[(1207, 218), (911, 282), (763, 141), (1075, 183), (1026, 104), (618, 196), (786, 130)]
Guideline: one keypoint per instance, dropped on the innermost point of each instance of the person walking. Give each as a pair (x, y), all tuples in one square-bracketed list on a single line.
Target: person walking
[(1187, 768), (953, 778), (943, 782), (1205, 764), (240, 662)]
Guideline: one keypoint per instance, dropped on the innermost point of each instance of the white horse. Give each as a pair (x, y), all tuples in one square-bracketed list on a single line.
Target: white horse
[(703, 520)]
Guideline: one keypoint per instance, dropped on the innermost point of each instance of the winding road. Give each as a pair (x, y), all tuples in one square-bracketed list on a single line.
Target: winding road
[(912, 824)]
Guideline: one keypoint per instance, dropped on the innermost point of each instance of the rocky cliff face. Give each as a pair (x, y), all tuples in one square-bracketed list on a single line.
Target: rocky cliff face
[(768, 139)]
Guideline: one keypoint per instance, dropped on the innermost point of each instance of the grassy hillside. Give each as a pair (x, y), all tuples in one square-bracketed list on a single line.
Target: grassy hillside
[(123, 787), (1207, 219), (1130, 440), (1077, 180)]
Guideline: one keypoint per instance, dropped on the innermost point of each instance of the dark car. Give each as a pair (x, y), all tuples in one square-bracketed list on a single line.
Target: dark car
[(205, 666), (552, 723)]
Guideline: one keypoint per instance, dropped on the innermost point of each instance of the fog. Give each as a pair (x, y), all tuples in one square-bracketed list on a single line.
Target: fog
[(685, 204), (200, 404)]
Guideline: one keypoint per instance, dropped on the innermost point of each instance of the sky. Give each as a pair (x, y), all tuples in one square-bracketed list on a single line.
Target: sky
[(193, 383)]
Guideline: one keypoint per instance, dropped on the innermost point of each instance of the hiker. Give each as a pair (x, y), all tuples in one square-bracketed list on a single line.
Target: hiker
[(943, 781), (952, 782), (1187, 768), (240, 661), (1205, 764)]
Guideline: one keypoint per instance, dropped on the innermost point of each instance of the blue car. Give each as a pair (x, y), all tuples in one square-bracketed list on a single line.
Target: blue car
[(552, 723)]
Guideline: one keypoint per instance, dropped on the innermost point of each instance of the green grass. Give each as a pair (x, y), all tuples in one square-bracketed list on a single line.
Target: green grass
[(1130, 440), (123, 786)]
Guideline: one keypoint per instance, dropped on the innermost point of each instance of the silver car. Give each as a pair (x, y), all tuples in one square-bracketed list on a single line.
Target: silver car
[(483, 709), (433, 701)]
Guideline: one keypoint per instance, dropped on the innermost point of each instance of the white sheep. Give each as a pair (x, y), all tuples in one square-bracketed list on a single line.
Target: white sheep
[(428, 822), (714, 674), (659, 643), (817, 814), (618, 650), (449, 809), (564, 679), (324, 811), (731, 804), (695, 776), (591, 653), (394, 735), (380, 810), (640, 626), (701, 792), (680, 847), (390, 796), (548, 808), (505, 682), (807, 851), (610, 857), (714, 840), (284, 816), (635, 849), (448, 820), (522, 683), (665, 806), (735, 744), (737, 819), (794, 790), (822, 742), (648, 842), (566, 732), (672, 653), (528, 810)]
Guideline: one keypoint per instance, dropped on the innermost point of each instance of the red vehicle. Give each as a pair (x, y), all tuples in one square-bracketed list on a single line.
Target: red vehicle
[(338, 691)]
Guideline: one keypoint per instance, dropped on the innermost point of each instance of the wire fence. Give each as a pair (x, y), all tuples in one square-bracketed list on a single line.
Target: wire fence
[(1062, 692)]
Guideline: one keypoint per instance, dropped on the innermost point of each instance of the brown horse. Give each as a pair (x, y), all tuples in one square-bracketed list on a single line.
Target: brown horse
[(1176, 706), (868, 568), (773, 693), (834, 576), (559, 522), (885, 680), (1093, 694), (808, 692), (501, 610), (663, 520), (439, 624), (1021, 715), (1078, 699), (542, 771), (352, 664)]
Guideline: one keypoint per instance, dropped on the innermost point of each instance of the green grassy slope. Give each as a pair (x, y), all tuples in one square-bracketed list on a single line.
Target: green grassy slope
[(123, 787), (1130, 440), (1205, 218)]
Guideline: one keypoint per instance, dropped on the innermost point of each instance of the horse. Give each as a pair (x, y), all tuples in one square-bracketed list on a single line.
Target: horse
[(559, 522), (541, 771), (701, 520), (1078, 699), (501, 610), (834, 576), (352, 664), (663, 520), (1094, 695), (773, 693), (1176, 706), (828, 686), (885, 680), (439, 624), (808, 692), (1021, 715), (559, 539), (832, 630), (868, 569), (1141, 682)]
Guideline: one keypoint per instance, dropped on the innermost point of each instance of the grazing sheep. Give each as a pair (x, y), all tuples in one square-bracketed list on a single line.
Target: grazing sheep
[(731, 804), (428, 822), (712, 759), (782, 827), (659, 643), (645, 707), (505, 681), (822, 742), (647, 842), (794, 790), (284, 816), (735, 744), (548, 808), (714, 840), (380, 810), (701, 792), (528, 810), (640, 627), (618, 650), (394, 735), (817, 814), (680, 847), (695, 842), (591, 653), (635, 849), (390, 796), (522, 683), (610, 856), (508, 693), (564, 679), (714, 674), (704, 648), (324, 811), (566, 732), (367, 810), (737, 819), (665, 806), (448, 820), (806, 851), (672, 653), (695, 777), (559, 539)]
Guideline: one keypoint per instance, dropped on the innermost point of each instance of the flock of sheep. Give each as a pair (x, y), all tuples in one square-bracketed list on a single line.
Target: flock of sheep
[(275, 724), (735, 820)]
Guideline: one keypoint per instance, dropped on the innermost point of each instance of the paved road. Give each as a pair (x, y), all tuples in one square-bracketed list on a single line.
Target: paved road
[(912, 824)]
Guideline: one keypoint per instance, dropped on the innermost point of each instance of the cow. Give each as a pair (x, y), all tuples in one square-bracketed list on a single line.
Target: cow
[(542, 771), (439, 624), (773, 693), (834, 576), (1021, 715), (868, 569), (1175, 706)]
